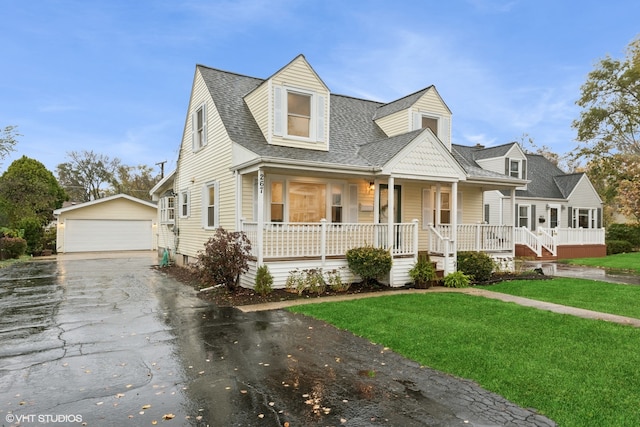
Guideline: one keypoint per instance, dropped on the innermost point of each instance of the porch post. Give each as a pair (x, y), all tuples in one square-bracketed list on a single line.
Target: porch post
[(514, 215), (260, 219), (390, 215), (454, 215), (376, 212), (438, 206), (390, 220), (238, 200)]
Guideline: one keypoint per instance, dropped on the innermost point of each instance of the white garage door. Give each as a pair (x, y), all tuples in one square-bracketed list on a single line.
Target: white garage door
[(86, 235)]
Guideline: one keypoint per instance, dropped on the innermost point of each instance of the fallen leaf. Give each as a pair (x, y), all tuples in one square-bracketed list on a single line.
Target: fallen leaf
[(260, 415), (154, 422), (168, 416), (243, 391), (99, 403), (271, 403), (146, 407), (119, 395)]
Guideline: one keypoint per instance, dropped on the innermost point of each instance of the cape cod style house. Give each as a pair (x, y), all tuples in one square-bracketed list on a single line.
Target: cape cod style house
[(557, 215), (308, 174)]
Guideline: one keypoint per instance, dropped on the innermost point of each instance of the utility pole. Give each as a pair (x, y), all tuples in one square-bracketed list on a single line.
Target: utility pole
[(161, 164)]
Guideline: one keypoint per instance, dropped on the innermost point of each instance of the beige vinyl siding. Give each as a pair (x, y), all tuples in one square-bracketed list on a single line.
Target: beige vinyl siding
[(195, 170), (258, 102), (396, 123), (472, 206), (247, 197), (299, 74), (495, 164), (496, 202), (584, 196), (430, 102), (113, 209)]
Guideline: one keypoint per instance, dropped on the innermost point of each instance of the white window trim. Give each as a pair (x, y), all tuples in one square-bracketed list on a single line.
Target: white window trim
[(317, 122), (205, 205), (417, 121), (528, 226), (188, 203), (165, 209), (286, 181), (592, 218), (197, 145)]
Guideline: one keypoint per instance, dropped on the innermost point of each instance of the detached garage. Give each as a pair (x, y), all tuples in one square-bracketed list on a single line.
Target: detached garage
[(115, 223)]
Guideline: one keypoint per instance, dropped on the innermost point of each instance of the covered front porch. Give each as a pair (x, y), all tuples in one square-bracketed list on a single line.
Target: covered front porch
[(286, 247)]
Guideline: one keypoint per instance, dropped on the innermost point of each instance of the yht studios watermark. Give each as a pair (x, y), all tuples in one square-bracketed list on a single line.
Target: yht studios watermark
[(43, 418)]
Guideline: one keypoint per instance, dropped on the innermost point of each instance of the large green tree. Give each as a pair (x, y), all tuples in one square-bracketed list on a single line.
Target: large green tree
[(135, 181), (28, 195), (608, 129), (610, 99), (87, 175)]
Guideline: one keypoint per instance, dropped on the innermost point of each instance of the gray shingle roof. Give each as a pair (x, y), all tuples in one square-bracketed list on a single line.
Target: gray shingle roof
[(399, 104), (465, 155), (350, 118)]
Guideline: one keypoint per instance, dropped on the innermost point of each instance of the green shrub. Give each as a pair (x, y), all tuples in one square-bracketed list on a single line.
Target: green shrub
[(422, 273), (370, 263), (33, 234), (457, 279), (335, 282), (478, 265), (264, 280), (12, 247), (627, 232), (618, 247), (310, 280), (225, 257)]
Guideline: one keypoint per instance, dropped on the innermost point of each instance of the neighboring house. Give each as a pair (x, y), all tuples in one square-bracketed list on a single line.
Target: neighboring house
[(308, 174), (557, 215), (115, 223)]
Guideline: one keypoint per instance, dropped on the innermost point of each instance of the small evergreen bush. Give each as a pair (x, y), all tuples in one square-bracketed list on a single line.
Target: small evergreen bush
[(370, 263), (311, 280), (422, 273), (478, 265), (618, 247), (12, 247), (457, 279), (264, 281), (335, 282)]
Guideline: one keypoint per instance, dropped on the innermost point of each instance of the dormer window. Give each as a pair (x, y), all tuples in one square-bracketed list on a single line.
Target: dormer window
[(516, 168), (431, 123), (298, 114)]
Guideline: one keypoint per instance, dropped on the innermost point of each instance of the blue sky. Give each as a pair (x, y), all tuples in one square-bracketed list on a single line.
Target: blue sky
[(114, 76)]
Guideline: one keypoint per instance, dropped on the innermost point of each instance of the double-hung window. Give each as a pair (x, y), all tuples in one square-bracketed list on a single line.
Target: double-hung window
[(167, 210), (298, 114), (210, 205), (184, 204), (199, 127), (302, 201), (523, 216), (516, 168)]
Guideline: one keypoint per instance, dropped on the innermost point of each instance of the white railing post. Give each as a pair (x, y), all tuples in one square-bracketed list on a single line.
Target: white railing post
[(323, 240), (447, 245), (478, 240), (415, 239)]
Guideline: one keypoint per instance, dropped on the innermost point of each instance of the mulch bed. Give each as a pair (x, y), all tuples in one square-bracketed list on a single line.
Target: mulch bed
[(222, 297)]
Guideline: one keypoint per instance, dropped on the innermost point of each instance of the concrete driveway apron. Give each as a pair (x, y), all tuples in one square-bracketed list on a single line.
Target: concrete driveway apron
[(113, 342)]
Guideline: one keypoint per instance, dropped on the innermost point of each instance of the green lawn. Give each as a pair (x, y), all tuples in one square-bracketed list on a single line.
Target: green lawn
[(576, 371), (630, 261), (623, 300)]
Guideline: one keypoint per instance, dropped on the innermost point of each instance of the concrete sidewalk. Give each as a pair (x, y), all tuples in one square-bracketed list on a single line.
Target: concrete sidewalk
[(565, 271)]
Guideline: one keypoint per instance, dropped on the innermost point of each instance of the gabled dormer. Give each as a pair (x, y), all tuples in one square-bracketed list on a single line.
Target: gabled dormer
[(422, 109), (508, 159), (292, 107)]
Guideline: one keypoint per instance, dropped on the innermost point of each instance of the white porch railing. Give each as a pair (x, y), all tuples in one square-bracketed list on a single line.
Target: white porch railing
[(480, 237), (525, 237), (577, 236), (551, 238), (323, 239)]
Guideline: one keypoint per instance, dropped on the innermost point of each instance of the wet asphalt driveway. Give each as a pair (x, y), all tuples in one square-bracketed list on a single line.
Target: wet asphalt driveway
[(112, 342)]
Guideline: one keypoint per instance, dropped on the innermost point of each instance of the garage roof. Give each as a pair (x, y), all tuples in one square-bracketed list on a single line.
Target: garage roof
[(103, 200)]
